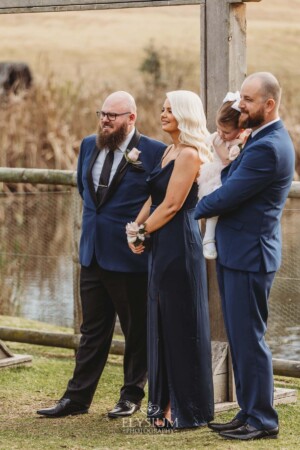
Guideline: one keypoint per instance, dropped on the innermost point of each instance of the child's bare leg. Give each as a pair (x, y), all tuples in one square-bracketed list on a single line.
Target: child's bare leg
[(209, 241)]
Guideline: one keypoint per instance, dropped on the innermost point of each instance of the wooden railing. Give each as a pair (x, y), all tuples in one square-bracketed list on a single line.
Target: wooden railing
[(67, 340)]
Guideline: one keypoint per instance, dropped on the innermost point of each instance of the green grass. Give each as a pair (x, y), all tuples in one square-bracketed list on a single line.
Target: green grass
[(24, 390)]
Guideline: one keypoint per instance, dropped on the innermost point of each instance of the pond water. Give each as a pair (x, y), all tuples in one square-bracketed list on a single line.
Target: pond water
[(36, 268)]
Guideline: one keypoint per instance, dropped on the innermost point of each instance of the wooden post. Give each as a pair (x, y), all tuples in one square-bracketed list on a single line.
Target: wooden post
[(223, 68), (223, 52)]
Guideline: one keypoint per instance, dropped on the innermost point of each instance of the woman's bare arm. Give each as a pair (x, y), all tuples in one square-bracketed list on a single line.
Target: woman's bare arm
[(144, 212)]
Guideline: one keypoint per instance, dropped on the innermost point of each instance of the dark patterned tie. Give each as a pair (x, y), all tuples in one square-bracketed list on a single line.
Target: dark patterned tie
[(104, 176)]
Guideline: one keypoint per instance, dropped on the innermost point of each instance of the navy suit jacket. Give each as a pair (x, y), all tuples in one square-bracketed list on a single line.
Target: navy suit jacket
[(250, 202), (103, 225)]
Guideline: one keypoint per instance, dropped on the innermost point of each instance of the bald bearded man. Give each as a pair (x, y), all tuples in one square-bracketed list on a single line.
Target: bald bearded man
[(113, 280), (248, 236)]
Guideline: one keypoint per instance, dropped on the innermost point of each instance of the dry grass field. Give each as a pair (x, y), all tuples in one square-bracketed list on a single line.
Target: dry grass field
[(103, 45), (108, 45), (77, 57)]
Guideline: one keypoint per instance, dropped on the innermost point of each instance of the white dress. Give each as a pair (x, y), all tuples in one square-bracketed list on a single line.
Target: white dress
[(210, 176), (210, 172)]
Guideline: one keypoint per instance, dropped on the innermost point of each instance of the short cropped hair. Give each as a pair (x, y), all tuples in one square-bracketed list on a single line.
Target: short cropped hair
[(270, 86)]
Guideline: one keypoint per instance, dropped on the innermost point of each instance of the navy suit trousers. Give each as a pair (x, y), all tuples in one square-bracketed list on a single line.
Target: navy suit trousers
[(245, 309)]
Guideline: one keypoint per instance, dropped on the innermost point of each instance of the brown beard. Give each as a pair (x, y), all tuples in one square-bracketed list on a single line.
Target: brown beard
[(113, 140), (252, 122)]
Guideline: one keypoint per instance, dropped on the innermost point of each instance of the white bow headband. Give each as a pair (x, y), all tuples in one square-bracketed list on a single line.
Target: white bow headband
[(233, 97)]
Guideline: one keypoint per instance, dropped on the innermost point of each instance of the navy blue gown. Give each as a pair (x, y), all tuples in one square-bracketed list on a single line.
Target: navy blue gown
[(179, 347)]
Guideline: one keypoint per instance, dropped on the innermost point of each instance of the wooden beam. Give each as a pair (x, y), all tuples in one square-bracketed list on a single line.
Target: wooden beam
[(281, 397), (23, 6), (38, 176), (66, 340), (8, 359), (50, 339), (69, 177), (295, 190), (286, 368)]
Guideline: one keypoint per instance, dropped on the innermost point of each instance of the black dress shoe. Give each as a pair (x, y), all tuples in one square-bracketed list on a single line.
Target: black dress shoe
[(65, 407), (233, 425), (247, 432), (123, 408)]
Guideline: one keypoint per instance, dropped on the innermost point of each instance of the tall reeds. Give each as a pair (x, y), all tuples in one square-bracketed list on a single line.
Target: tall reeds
[(43, 127)]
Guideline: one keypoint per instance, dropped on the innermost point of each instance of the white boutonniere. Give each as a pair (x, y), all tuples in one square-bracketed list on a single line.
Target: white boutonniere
[(132, 156)]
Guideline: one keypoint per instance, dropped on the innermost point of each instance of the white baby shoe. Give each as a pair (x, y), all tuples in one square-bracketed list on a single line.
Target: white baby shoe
[(209, 249)]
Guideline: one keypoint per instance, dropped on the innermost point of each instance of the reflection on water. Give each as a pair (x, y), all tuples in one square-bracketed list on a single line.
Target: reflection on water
[(36, 267), (36, 256), (49, 299)]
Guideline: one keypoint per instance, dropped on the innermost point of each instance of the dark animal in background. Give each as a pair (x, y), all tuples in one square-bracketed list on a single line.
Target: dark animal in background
[(14, 77)]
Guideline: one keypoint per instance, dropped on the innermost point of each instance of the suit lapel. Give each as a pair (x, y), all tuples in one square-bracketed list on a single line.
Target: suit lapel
[(95, 154), (121, 170), (251, 140), (237, 161), (274, 126)]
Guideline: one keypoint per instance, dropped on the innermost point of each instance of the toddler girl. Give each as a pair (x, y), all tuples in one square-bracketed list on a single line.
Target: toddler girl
[(226, 144)]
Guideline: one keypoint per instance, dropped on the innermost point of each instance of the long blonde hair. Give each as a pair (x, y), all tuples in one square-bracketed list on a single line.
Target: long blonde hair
[(188, 110)]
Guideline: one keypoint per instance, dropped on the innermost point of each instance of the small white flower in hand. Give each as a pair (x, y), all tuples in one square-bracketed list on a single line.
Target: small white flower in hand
[(135, 233), (234, 152), (132, 229), (131, 239), (141, 237)]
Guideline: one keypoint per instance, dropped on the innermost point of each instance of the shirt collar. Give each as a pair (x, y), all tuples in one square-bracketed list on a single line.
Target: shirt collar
[(123, 147), (264, 126)]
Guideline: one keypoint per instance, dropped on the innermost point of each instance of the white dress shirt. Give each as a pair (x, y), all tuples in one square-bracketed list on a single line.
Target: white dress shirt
[(118, 155), (264, 126)]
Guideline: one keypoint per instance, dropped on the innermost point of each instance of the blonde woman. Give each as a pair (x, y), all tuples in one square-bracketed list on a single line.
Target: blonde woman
[(179, 350)]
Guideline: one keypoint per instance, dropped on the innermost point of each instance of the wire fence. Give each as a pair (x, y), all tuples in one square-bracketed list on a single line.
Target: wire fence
[(284, 319), (36, 265)]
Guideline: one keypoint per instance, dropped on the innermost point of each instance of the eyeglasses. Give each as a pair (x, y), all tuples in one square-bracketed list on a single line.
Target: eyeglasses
[(111, 116)]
